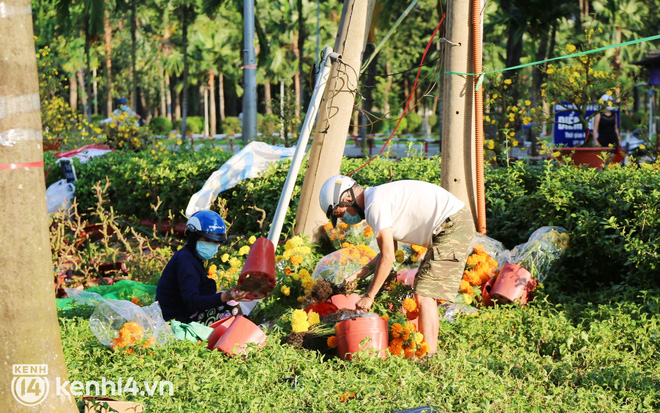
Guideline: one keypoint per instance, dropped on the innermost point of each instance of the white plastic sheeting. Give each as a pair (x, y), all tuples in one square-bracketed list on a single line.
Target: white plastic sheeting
[(249, 162)]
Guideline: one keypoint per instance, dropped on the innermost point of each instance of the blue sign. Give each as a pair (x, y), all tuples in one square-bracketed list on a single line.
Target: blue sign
[(567, 130)]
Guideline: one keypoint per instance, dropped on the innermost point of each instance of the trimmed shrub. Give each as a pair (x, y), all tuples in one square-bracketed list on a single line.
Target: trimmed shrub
[(231, 125), (194, 124), (414, 122), (160, 125)]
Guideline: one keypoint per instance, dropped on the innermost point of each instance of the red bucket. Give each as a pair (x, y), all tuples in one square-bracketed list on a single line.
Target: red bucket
[(258, 274), (370, 331), (513, 283), (346, 302), (239, 334), (486, 288), (219, 328)]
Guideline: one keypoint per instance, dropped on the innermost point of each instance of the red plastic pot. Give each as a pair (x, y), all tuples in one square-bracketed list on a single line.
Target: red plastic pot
[(486, 288), (406, 276), (258, 274), (240, 333), (346, 302), (219, 328), (513, 283), (362, 333)]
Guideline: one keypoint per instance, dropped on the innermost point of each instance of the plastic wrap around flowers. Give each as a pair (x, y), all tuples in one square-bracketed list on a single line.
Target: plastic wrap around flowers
[(542, 252), (339, 265)]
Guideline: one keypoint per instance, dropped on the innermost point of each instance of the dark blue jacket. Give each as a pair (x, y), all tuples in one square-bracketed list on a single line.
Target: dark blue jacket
[(184, 287)]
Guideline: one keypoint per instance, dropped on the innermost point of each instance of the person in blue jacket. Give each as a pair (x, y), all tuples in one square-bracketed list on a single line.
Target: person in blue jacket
[(185, 292)]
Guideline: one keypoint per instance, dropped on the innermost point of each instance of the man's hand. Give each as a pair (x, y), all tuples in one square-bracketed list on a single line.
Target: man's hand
[(365, 303)]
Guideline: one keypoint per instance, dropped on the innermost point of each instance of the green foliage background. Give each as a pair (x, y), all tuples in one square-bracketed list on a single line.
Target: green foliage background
[(613, 216)]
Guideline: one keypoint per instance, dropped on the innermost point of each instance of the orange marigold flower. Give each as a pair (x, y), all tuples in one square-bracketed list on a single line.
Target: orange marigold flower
[(368, 232), (411, 315), (409, 304), (327, 226), (396, 330), (296, 259), (347, 395), (385, 317), (287, 271), (332, 341), (464, 287), (409, 353), (342, 226), (135, 301), (396, 347), (479, 249)]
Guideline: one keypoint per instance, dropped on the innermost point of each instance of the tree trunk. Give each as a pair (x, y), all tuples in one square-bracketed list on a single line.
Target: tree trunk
[(163, 99), (211, 86), (133, 56), (334, 115), (88, 86), (95, 91), (177, 105), (73, 92), (302, 36), (184, 104), (298, 91), (268, 98), (221, 96), (108, 61), (81, 85), (168, 97), (148, 114), (386, 90), (30, 333)]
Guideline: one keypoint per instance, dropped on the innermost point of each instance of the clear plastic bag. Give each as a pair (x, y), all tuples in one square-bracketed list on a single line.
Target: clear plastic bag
[(110, 316), (542, 252), (493, 247), (59, 195), (339, 265)]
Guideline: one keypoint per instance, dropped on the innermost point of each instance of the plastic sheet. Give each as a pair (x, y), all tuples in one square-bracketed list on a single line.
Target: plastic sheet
[(109, 317), (59, 196), (339, 265), (542, 252)]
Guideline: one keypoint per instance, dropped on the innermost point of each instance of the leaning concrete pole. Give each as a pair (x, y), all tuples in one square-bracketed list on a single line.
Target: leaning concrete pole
[(458, 150), (30, 347), (334, 114)]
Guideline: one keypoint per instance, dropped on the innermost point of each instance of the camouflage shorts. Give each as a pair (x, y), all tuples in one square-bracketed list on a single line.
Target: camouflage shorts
[(441, 270)]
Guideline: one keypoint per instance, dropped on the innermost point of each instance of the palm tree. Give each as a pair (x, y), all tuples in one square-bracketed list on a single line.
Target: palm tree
[(30, 333)]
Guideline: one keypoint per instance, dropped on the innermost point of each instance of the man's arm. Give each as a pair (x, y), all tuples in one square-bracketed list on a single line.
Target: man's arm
[(386, 244)]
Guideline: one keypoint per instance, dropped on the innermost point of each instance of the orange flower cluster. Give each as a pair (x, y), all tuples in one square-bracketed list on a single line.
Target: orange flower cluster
[(332, 341), (361, 253), (407, 341), (410, 306), (480, 267), (131, 333)]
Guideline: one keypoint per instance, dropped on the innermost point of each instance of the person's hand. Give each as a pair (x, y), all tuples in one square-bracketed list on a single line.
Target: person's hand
[(235, 295), (365, 303)]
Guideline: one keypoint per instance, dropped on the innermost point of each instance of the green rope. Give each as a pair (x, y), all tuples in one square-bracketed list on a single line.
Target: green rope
[(600, 49)]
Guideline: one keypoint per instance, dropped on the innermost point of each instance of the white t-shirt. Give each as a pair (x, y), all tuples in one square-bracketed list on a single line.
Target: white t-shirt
[(414, 209)]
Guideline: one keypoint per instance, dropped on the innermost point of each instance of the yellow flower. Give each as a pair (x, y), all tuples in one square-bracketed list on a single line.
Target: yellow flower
[(570, 48), (313, 318), (409, 304), (507, 82), (252, 239), (224, 257), (285, 290), (244, 250), (399, 255), (304, 273)]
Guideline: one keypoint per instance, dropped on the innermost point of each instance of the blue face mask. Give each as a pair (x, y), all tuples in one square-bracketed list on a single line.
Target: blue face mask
[(206, 250), (351, 219)]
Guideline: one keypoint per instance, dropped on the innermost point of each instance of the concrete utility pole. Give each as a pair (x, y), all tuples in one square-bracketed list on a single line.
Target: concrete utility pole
[(335, 114), (30, 333), (458, 150), (249, 128)]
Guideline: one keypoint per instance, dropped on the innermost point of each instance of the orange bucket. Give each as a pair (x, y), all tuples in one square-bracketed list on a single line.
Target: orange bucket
[(350, 333), (219, 328), (486, 288), (239, 334), (346, 302), (258, 274), (513, 283)]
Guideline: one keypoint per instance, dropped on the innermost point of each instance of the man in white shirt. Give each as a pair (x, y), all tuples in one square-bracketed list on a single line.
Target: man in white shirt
[(414, 212)]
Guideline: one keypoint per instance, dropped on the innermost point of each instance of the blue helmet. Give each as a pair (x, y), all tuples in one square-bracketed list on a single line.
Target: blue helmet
[(208, 224), (122, 101)]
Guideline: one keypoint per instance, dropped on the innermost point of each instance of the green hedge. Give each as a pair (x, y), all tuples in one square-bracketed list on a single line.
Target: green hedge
[(613, 216)]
